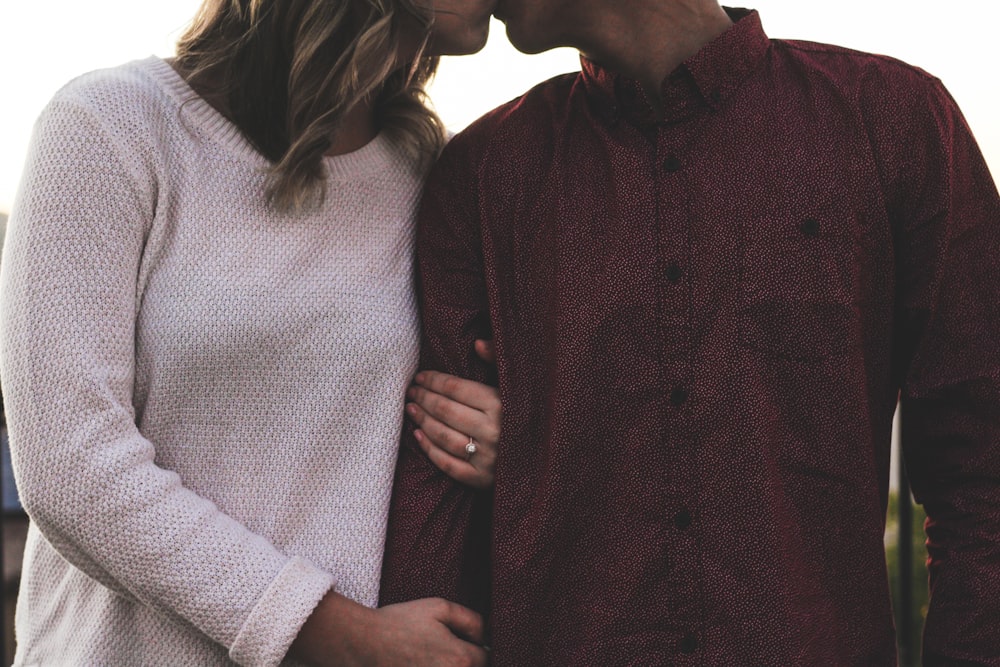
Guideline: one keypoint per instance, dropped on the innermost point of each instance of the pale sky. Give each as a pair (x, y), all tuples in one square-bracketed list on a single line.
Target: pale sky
[(44, 44)]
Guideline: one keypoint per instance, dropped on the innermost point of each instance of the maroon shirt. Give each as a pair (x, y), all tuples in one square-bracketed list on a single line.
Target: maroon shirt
[(703, 323)]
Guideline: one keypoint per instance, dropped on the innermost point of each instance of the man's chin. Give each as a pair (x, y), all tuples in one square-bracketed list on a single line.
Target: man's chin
[(523, 45)]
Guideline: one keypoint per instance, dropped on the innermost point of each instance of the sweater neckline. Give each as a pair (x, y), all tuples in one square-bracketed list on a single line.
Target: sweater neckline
[(372, 157)]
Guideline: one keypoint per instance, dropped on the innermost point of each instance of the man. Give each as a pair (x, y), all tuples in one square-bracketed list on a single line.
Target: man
[(711, 262)]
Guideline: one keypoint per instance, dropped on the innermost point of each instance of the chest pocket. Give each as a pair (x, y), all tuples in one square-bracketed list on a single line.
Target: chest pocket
[(799, 287)]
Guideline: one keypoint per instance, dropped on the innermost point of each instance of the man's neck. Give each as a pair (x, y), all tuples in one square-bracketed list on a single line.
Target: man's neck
[(646, 41)]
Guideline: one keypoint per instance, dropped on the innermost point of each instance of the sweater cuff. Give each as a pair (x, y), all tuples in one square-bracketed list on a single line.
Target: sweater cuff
[(279, 614)]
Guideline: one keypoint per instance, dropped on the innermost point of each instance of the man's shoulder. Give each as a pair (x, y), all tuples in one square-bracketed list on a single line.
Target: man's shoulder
[(527, 121), (852, 69)]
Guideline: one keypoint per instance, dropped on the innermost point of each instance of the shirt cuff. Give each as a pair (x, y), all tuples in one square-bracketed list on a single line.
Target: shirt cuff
[(276, 619)]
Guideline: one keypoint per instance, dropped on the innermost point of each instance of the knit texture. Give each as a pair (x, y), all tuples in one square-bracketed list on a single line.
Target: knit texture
[(204, 396)]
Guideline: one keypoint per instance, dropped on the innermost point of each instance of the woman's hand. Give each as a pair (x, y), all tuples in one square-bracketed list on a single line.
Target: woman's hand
[(451, 413), (423, 633)]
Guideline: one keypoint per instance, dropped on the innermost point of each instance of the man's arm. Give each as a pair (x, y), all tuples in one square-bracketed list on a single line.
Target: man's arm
[(438, 536), (947, 351)]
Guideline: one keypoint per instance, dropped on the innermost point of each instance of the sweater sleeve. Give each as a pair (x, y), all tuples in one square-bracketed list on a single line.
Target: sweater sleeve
[(88, 478), (946, 213), (438, 534)]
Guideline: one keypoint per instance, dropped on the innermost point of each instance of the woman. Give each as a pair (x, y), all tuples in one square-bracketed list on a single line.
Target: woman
[(208, 326)]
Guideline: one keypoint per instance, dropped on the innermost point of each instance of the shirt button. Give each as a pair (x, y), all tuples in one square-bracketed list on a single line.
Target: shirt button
[(682, 520), (689, 643), (810, 227), (672, 164), (678, 396), (674, 273)]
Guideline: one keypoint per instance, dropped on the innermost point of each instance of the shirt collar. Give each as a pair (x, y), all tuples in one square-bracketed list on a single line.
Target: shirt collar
[(703, 81)]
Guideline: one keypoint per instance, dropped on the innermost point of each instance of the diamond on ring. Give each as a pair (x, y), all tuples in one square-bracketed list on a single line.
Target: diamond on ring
[(470, 449)]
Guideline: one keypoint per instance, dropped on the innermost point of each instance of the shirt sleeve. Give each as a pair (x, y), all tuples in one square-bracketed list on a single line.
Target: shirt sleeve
[(87, 476), (946, 213), (438, 534)]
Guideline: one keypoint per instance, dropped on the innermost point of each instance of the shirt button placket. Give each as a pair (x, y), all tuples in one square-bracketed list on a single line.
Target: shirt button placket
[(676, 232), (671, 165)]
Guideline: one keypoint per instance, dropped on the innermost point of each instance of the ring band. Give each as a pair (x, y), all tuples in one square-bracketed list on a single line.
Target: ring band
[(470, 448)]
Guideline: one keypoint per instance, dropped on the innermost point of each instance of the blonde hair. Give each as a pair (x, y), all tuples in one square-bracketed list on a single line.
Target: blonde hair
[(290, 70)]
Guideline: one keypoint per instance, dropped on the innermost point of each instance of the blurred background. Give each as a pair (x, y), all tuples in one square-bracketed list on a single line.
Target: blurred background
[(45, 44)]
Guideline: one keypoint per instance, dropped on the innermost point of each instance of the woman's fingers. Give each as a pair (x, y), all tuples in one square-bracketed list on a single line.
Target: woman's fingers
[(440, 434), (465, 472), (449, 412), (446, 447), (486, 350), (462, 621), (466, 392)]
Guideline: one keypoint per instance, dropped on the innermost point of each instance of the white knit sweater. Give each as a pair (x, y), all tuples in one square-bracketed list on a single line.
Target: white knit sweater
[(204, 397)]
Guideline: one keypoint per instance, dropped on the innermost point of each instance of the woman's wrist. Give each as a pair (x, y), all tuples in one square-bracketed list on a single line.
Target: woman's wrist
[(329, 634)]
